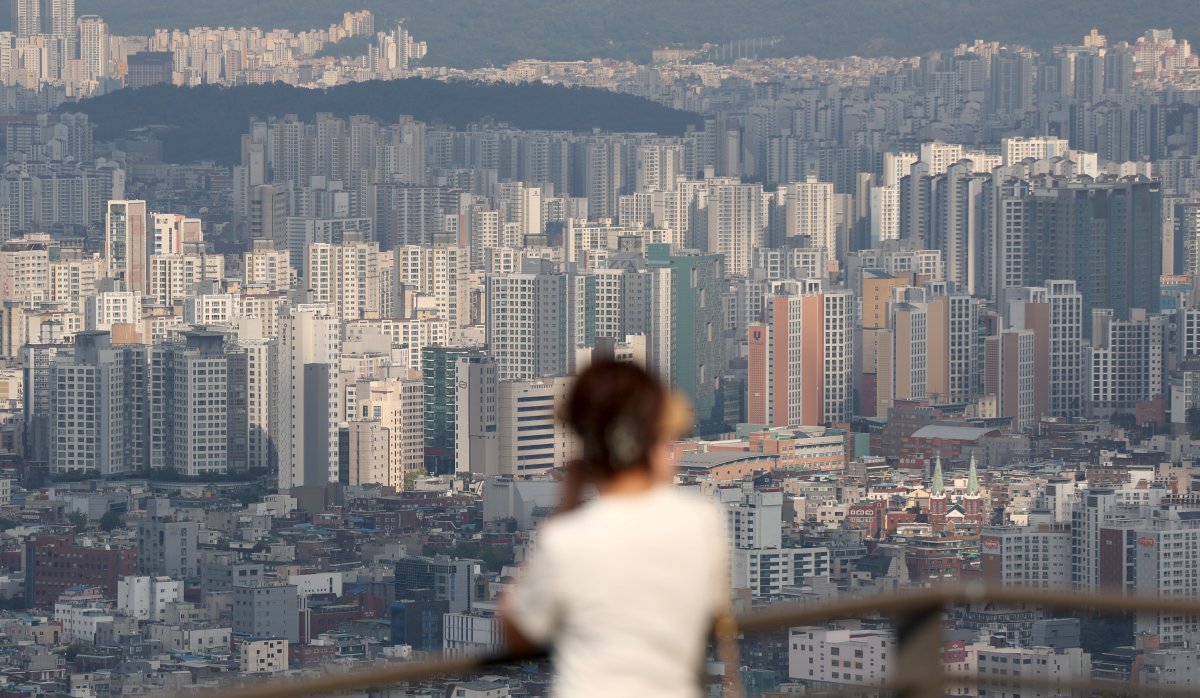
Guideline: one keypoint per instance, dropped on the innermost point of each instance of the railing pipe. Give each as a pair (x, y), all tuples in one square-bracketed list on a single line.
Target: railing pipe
[(919, 659)]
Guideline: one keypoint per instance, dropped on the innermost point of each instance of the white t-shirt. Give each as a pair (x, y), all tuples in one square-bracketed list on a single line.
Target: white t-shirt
[(625, 590)]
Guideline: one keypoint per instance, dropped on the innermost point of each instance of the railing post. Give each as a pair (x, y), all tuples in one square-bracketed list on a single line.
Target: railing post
[(919, 667)]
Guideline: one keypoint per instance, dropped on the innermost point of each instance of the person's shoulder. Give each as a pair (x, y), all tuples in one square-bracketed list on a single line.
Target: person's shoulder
[(688, 497), (563, 529)]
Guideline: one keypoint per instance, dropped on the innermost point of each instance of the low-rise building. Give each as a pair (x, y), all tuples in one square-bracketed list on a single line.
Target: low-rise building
[(264, 656)]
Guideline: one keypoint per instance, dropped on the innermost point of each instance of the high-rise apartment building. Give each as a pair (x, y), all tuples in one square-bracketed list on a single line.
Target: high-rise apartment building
[(687, 326), (25, 268), (391, 409), (1055, 315), (1009, 375), (902, 352), (954, 347), (97, 404), (1123, 365), (93, 47), (127, 244), (529, 325), (439, 367), (800, 357), (345, 276), (267, 268), (307, 397), (810, 213), (176, 234), (189, 405), (27, 17), (440, 272), (1017, 148), (1105, 235), (736, 222)]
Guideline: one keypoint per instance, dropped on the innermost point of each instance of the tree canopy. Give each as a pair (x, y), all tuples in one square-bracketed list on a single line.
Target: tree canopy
[(206, 122)]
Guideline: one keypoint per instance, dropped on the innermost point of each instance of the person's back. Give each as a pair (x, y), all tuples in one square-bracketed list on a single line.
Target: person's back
[(628, 587), (625, 589)]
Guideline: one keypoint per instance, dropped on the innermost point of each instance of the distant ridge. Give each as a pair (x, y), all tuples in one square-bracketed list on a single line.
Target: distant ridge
[(205, 122), (470, 33)]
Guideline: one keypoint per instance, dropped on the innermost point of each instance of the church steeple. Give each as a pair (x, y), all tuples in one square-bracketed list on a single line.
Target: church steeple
[(937, 487), (972, 480)]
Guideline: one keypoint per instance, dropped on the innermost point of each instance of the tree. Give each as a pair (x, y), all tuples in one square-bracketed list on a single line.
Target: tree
[(1123, 419), (111, 520), (246, 496), (1193, 422), (76, 648), (411, 477), (79, 520)]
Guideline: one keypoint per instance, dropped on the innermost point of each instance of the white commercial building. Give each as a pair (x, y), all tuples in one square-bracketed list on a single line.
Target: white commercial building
[(80, 621), (317, 583), (766, 571), (1042, 664), (147, 598), (1033, 556), (470, 633), (531, 438), (191, 639), (828, 657)]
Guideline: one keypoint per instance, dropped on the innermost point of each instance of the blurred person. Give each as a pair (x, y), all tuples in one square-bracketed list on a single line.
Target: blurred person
[(624, 588)]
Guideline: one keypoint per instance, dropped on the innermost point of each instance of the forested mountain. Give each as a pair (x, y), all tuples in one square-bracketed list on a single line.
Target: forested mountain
[(204, 123)]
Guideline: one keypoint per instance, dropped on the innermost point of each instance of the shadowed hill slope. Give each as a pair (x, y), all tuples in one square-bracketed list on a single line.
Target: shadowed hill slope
[(205, 122)]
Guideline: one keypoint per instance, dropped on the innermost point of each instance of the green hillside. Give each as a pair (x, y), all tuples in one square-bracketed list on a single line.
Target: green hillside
[(205, 122)]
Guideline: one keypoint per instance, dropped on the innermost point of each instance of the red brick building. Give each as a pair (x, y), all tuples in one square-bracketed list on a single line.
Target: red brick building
[(54, 563)]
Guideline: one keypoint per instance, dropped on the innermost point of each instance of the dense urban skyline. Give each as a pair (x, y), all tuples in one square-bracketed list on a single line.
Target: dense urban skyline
[(299, 407)]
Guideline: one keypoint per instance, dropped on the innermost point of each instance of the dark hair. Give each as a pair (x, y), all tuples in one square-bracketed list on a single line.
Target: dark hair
[(617, 410)]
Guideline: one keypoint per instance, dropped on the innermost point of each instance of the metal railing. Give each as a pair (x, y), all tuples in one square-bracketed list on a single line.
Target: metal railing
[(917, 619)]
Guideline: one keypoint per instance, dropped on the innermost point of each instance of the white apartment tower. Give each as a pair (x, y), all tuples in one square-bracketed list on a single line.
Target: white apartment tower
[(1017, 149), (95, 413), (442, 272), (736, 223), (885, 214), (659, 165), (528, 325), (345, 276), (307, 396), (268, 269), (27, 17), (93, 47), (809, 211), (105, 309), (1066, 342)]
